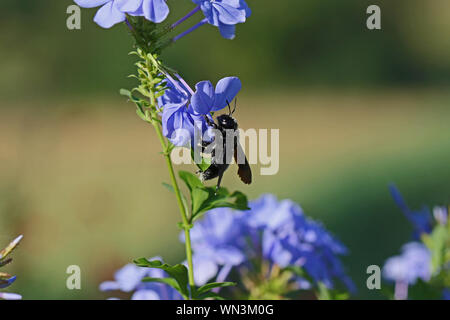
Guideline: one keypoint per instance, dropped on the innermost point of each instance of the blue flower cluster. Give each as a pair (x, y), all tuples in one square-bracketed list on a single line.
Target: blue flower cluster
[(224, 14), (183, 113), (129, 279), (273, 232), (415, 261)]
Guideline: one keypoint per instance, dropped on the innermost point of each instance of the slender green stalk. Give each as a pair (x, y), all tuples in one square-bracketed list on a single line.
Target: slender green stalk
[(180, 203), (148, 70)]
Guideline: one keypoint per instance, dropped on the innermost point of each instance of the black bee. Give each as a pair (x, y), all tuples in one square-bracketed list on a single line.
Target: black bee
[(220, 158)]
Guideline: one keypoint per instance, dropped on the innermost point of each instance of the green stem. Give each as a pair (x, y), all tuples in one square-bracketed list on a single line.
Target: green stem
[(180, 203), (152, 64)]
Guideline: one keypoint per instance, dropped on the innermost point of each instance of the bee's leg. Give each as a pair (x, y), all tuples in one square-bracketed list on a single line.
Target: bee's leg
[(218, 183), (210, 122)]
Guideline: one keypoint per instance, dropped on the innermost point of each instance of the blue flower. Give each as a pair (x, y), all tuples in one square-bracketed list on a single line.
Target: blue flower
[(290, 238), (273, 231), (153, 10), (108, 15), (414, 263), (113, 11), (207, 99), (224, 14), (182, 127), (129, 279), (421, 220), (217, 242)]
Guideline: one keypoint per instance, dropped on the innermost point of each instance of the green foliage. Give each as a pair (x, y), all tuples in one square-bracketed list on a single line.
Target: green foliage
[(438, 242), (204, 164), (149, 36), (177, 273), (205, 198), (178, 279)]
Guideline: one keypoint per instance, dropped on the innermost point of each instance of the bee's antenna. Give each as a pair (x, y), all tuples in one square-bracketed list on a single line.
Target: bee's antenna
[(235, 105), (229, 108)]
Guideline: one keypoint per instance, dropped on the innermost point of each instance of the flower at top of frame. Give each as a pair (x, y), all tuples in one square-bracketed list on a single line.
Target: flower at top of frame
[(414, 263), (272, 231), (224, 14), (129, 279), (113, 11)]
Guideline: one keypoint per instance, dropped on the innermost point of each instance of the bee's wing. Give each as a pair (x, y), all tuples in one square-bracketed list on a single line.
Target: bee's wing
[(244, 171)]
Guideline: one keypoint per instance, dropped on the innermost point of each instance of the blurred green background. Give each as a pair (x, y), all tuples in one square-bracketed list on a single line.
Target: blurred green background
[(80, 174)]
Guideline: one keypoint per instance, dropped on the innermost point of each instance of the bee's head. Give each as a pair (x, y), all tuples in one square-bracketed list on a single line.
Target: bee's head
[(227, 122)]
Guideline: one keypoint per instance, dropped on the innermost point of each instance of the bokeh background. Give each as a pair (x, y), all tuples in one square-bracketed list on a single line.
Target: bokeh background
[(80, 174)]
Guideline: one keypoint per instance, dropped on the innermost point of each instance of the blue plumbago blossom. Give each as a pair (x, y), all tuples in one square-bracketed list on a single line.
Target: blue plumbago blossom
[(183, 112), (206, 99), (182, 127), (421, 220), (224, 14), (129, 279), (274, 232), (113, 11), (414, 263)]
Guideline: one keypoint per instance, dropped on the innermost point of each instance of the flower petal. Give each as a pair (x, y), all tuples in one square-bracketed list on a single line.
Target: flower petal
[(228, 31), (155, 10), (228, 14), (203, 99), (91, 3), (109, 15), (205, 269), (109, 286), (10, 296), (128, 5), (145, 295), (226, 91)]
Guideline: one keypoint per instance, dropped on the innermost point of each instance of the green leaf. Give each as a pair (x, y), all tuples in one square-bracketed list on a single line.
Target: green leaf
[(178, 272), (209, 286), (210, 295), (436, 242), (191, 180), (199, 196), (169, 281), (138, 102), (222, 199), (206, 162), (206, 198)]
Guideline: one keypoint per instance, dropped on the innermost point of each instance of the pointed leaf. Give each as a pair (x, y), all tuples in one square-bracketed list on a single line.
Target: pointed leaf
[(178, 272), (209, 286)]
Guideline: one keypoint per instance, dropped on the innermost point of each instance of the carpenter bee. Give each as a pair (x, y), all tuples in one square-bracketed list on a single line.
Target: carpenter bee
[(221, 151)]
